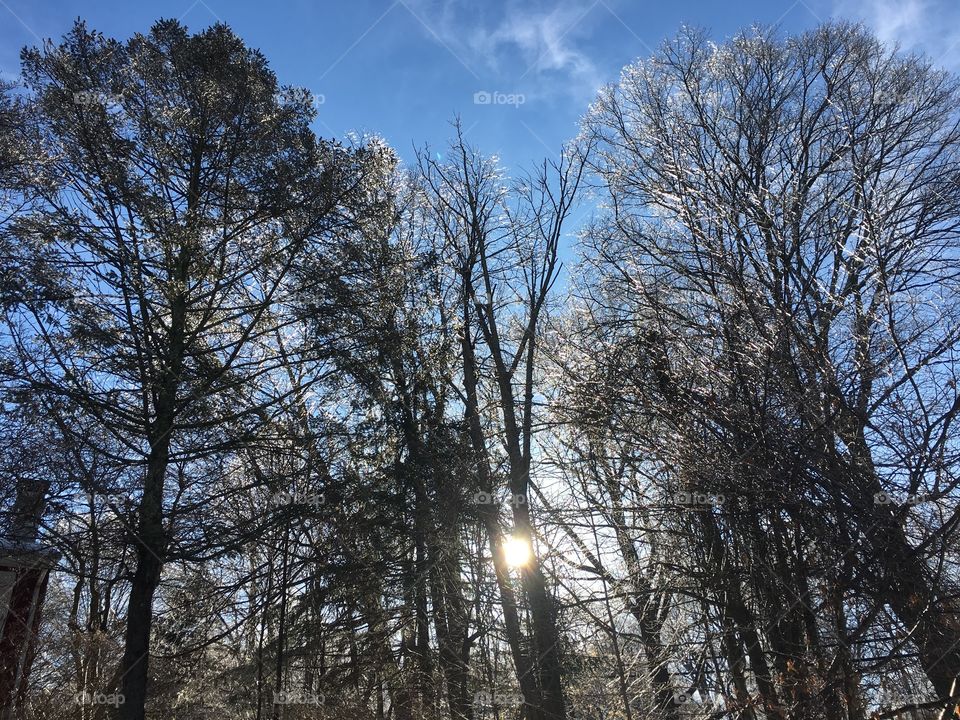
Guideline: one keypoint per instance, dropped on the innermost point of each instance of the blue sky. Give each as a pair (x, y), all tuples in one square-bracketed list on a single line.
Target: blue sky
[(403, 68)]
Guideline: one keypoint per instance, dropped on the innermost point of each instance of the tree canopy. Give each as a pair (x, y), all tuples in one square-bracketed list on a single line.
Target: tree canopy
[(321, 434)]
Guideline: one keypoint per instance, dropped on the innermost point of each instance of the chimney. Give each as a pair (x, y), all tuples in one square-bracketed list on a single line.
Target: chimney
[(24, 568), (27, 512)]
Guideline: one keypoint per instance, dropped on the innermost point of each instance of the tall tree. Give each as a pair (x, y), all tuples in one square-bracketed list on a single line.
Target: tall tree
[(779, 254), (177, 188), (502, 247)]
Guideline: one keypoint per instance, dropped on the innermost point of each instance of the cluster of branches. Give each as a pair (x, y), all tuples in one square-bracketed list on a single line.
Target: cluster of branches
[(321, 437)]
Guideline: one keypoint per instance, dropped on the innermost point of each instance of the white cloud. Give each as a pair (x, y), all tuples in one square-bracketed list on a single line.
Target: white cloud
[(545, 39), (522, 43), (928, 26)]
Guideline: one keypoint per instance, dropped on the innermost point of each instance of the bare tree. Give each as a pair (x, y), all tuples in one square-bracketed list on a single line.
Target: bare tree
[(505, 257), (779, 258)]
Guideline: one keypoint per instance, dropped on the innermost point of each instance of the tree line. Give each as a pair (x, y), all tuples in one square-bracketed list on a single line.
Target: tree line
[(326, 435)]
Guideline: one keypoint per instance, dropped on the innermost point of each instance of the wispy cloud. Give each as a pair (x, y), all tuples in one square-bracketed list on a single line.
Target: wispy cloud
[(928, 26), (546, 39), (523, 42)]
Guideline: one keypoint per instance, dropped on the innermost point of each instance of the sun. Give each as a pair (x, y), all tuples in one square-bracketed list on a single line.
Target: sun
[(517, 551)]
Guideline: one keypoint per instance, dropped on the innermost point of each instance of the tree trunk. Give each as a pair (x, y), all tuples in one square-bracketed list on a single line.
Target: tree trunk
[(151, 536), (508, 601), (150, 551)]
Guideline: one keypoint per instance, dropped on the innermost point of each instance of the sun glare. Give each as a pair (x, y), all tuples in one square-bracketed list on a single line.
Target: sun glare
[(517, 551)]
